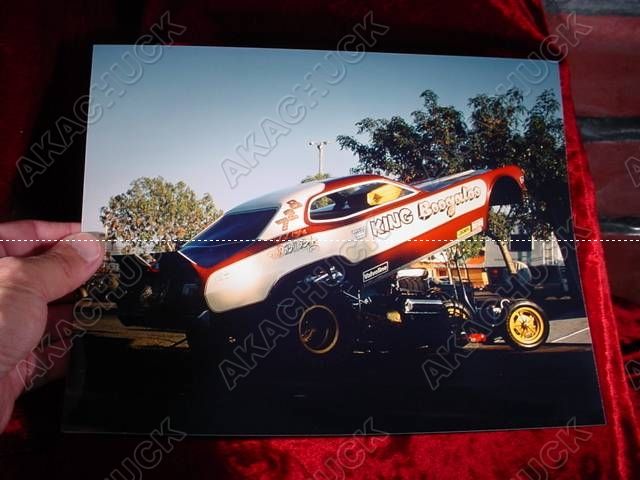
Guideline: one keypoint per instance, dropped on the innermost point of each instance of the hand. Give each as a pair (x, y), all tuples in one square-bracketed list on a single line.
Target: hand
[(32, 274)]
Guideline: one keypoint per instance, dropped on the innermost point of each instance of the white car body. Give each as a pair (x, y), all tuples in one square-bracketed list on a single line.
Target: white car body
[(375, 240)]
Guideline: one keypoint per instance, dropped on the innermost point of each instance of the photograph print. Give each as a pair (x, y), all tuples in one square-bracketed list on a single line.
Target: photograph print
[(307, 242)]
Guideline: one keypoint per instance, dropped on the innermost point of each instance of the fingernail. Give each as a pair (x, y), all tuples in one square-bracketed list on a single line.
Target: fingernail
[(85, 245)]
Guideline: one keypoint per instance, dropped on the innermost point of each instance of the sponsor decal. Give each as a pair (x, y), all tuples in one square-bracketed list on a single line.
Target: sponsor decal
[(289, 214), (291, 235), (463, 231), (391, 221), (375, 272), (359, 233), (477, 224), (449, 203), (307, 244)]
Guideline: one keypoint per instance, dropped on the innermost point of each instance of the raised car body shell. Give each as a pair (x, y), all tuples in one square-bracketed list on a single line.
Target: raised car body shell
[(374, 242)]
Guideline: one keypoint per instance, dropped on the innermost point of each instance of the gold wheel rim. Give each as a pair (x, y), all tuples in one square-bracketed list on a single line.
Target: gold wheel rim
[(306, 332), (526, 325)]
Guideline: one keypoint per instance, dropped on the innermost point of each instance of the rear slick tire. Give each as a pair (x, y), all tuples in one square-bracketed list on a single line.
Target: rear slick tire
[(323, 335)]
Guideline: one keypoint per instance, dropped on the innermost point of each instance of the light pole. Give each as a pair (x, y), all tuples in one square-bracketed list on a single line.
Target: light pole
[(320, 145)]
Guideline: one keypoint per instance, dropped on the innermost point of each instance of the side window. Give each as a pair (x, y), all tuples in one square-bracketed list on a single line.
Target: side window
[(322, 203), (353, 200)]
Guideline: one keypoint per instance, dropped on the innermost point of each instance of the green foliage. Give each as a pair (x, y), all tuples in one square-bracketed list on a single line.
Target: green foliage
[(494, 137), (501, 224), (154, 214), (469, 248), (317, 176), (431, 145), (500, 131), (324, 201), (544, 163)]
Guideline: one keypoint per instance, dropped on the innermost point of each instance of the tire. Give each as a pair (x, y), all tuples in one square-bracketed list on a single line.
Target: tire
[(457, 310), (526, 326), (323, 334), (458, 317)]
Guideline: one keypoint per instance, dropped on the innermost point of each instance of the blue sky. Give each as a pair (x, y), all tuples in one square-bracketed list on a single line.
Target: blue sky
[(194, 106)]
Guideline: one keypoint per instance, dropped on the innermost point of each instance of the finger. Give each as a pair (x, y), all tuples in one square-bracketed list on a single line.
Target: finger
[(58, 271), (44, 364), (28, 237), (60, 321)]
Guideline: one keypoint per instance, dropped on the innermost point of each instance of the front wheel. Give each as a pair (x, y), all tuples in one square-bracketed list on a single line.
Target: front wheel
[(526, 325)]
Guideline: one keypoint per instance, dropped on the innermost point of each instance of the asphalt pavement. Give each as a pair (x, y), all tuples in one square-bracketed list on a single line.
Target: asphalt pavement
[(129, 379)]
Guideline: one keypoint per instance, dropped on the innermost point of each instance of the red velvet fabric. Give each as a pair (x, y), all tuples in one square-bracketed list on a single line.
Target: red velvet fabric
[(37, 41)]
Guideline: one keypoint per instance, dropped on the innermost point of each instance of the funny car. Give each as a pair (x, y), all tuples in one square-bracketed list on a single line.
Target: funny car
[(312, 252)]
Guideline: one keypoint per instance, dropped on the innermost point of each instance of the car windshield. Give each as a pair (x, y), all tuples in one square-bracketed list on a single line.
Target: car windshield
[(236, 227)]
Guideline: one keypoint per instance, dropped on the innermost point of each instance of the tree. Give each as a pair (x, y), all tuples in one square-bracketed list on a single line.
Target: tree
[(504, 132), (500, 130), (544, 163), (444, 129), (545, 166), (154, 215), (501, 223), (469, 248), (494, 138), (313, 178), (431, 145), (324, 201)]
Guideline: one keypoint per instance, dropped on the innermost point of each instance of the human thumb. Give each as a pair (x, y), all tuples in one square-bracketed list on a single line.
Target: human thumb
[(62, 268)]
